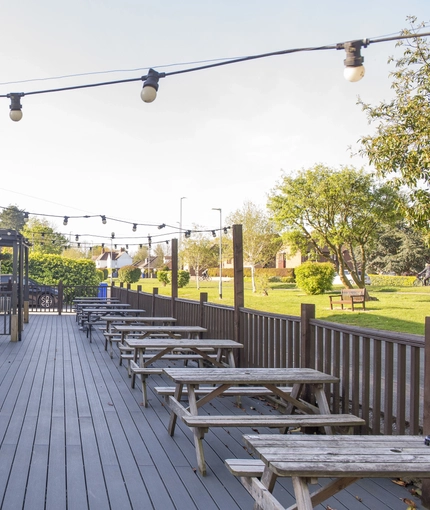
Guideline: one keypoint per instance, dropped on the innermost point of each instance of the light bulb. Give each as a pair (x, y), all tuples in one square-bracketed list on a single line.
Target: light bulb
[(353, 73), (15, 115), (148, 94)]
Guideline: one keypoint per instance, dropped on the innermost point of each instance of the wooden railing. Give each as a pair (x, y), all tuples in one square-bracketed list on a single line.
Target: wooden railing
[(381, 372)]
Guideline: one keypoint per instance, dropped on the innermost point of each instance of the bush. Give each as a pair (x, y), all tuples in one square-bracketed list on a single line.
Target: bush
[(101, 275), (384, 280), (281, 272), (314, 277), (129, 274), (183, 278), (163, 277)]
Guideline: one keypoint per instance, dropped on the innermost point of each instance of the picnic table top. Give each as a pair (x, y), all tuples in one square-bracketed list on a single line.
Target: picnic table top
[(160, 328), (162, 343), (347, 455), (237, 376), (109, 318)]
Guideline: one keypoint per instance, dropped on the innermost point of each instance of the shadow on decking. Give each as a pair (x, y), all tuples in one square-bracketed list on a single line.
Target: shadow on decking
[(74, 435)]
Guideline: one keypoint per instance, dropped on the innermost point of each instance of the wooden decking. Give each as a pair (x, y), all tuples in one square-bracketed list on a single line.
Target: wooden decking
[(74, 435)]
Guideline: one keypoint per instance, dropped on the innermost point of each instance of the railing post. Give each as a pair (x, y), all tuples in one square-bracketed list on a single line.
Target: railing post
[(426, 406), (239, 294), (203, 300), (60, 297), (306, 341), (138, 290), (174, 275), (154, 294)]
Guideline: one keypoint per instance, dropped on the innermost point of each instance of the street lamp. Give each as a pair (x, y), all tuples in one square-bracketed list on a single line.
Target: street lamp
[(220, 250), (180, 224)]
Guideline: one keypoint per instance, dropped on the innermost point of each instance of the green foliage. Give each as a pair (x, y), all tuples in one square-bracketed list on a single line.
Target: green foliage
[(326, 212), (262, 284), (400, 250), (78, 276), (43, 237), (129, 274), (12, 218), (382, 280), (163, 277), (228, 272), (6, 262), (399, 147), (101, 274), (183, 278), (315, 278)]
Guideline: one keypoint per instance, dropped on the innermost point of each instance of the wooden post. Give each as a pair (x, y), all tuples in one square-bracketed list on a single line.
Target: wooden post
[(174, 275), (203, 300), (154, 294), (138, 290), (306, 343), (426, 406), (60, 297), (239, 294)]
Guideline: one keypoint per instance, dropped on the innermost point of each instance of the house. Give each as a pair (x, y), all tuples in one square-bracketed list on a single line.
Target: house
[(114, 260), (154, 263)]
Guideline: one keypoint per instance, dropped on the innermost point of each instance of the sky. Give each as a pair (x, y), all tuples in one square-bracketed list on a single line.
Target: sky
[(218, 137)]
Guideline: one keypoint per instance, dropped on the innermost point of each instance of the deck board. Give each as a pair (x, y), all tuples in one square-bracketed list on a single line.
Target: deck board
[(74, 435)]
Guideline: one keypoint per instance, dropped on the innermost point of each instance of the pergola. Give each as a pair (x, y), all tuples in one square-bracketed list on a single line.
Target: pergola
[(19, 293)]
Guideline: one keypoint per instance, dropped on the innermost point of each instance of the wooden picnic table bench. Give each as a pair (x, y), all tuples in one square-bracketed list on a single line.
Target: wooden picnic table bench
[(276, 380), (149, 350), (305, 458), (349, 297)]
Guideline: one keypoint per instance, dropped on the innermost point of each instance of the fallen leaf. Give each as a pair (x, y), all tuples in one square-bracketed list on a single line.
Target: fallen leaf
[(110, 404), (399, 482), (409, 502), (358, 499)]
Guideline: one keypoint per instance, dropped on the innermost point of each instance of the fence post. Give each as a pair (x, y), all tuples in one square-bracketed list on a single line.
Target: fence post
[(426, 406), (174, 275), (203, 300), (306, 344), (239, 295), (138, 289), (154, 293), (60, 297)]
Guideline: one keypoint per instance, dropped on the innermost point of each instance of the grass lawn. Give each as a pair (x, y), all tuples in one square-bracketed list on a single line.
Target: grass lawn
[(400, 309)]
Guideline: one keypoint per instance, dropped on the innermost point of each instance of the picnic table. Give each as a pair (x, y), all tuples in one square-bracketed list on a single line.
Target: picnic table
[(172, 331), (286, 383), (94, 315), (305, 458), (116, 320), (149, 350)]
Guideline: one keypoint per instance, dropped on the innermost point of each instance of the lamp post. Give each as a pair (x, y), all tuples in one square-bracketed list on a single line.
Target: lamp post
[(180, 224), (220, 250)]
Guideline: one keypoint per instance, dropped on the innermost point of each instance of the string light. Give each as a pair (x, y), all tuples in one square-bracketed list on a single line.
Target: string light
[(66, 220), (134, 227), (353, 63), (103, 219)]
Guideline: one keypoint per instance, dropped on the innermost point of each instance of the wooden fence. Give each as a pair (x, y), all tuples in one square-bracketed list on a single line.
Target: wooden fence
[(381, 372)]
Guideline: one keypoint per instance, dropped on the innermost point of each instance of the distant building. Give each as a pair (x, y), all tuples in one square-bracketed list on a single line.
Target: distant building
[(114, 260)]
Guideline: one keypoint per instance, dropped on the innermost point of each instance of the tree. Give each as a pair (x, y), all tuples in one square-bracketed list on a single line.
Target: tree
[(12, 218), (199, 253), (141, 254), (159, 254), (340, 211), (43, 237), (400, 148), (400, 249), (261, 241)]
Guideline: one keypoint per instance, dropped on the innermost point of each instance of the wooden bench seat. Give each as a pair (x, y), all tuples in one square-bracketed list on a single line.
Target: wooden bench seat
[(282, 421), (350, 298), (245, 467), (251, 391)]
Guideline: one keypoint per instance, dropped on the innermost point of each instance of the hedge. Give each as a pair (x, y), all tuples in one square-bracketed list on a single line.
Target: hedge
[(286, 272)]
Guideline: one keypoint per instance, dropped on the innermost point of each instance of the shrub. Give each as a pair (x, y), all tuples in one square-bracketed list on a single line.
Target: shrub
[(101, 275), (314, 277), (163, 277), (384, 280), (183, 278), (129, 274)]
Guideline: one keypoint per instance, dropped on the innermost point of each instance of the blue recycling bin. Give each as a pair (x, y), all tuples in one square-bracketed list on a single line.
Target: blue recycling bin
[(102, 290)]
